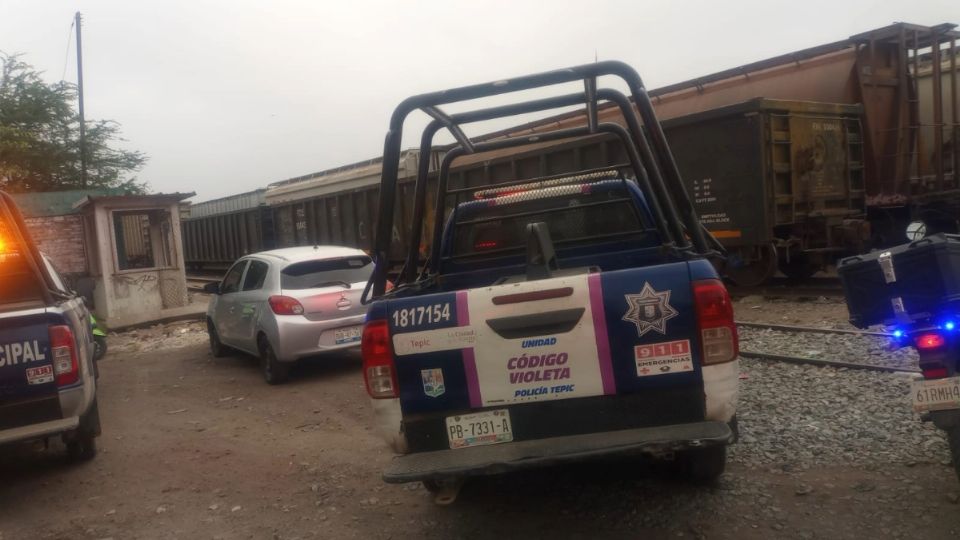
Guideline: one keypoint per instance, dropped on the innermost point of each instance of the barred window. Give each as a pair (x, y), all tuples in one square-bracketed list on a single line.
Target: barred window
[(144, 239)]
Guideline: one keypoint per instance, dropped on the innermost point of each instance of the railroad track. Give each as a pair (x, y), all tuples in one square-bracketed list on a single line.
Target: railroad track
[(195, 283), (805, 360), (828, 287)]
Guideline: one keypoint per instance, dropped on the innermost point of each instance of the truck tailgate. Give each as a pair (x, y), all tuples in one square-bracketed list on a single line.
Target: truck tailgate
[(561, 356), (28, 390)]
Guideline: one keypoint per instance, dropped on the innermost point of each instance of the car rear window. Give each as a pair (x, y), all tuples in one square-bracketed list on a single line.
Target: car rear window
[(326, 273), (572, 218), (18, 283)]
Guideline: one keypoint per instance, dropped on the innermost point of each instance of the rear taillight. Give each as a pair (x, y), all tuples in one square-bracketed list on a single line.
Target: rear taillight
[(932, 349), (63, 349), (718, 332), (379, 370), (929, 341), (284, 305)]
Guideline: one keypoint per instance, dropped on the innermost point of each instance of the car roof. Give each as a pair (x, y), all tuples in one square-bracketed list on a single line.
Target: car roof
[(309, 253)]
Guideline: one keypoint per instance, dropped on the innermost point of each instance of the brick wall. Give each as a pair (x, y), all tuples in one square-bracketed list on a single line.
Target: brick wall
[(61, 239)]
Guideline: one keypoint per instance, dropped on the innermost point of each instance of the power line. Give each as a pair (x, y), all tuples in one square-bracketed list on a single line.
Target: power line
[(66, 55)]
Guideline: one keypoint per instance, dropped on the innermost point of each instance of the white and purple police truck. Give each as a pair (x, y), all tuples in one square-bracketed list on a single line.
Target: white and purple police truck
[(557, 319)]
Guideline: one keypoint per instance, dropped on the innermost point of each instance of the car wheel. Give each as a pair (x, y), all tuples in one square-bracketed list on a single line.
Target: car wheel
[(274, 371), (217, 348), (703, 465), (82, 445)]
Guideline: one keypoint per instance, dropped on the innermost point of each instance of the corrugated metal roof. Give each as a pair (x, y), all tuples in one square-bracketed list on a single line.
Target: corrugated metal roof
[(226, 205), (58, 203)]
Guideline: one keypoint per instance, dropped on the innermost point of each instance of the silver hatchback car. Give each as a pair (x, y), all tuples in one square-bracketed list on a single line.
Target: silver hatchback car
[(287, 304)]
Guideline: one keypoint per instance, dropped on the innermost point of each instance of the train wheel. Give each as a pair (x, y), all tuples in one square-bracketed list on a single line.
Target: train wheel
[(757, 267), (799, 266)]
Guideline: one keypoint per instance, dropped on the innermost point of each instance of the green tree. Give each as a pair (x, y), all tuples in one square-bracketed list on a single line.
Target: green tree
[(39, 137)]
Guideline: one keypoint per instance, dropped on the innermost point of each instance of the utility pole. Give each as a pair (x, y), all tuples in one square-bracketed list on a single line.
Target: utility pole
[(83, 126)]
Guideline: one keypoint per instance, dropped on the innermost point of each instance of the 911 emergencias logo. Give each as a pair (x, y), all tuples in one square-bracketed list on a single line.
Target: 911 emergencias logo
[(649, 310)]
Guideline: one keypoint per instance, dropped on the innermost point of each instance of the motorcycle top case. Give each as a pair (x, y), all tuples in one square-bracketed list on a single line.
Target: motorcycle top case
[(904, 283)]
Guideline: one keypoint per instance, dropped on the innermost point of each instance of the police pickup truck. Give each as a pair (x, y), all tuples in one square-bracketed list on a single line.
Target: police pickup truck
[(47, 372), (558, 318)]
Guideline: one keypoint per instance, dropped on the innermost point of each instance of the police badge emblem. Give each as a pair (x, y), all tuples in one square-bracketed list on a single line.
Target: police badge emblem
[(649, 310), (432, 382)]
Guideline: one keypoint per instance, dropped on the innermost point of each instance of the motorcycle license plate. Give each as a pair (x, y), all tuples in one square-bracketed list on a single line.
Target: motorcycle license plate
[(936, 395)]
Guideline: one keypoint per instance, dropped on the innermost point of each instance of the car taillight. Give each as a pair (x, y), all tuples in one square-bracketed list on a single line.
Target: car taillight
[(379, 370), (929, 341), (718, 332), (284, 305), (63, 349)]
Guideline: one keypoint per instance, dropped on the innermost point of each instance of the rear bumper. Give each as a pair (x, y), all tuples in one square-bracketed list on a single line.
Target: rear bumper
[(39, 431), (499, 458), (298, 337)]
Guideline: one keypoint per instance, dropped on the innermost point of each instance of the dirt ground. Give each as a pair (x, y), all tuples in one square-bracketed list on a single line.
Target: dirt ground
[(197, 447)]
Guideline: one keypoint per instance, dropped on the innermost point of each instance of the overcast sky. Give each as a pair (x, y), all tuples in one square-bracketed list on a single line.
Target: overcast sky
[(228, 96)]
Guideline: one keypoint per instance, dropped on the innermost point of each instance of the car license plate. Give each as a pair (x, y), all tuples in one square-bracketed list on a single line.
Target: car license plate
[(347, 335), (479, 429), (936, 395)]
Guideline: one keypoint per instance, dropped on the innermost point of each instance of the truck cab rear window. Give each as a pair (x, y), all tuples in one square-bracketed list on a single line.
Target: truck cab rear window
[(326, 273), (573, 219)]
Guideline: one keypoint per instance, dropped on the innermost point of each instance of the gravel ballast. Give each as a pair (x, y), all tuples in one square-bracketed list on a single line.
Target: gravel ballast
[(795, 416), (856, 349)]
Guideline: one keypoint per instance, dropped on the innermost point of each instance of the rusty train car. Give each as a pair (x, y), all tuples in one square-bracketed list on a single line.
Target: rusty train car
[(792, 162)]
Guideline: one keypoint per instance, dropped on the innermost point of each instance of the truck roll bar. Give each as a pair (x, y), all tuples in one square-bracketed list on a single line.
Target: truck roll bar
[(648, 160)]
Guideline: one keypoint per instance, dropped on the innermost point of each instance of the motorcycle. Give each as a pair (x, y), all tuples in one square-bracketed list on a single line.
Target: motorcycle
[(936, 396), (913, 290), (99, 339)]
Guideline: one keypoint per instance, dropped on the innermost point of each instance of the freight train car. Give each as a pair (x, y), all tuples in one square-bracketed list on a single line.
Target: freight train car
[(781, 183), (220, 231), (337, 206), (775, 181)]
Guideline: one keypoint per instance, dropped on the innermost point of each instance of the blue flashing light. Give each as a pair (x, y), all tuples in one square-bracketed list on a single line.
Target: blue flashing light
[(949, 325), (898, 333)]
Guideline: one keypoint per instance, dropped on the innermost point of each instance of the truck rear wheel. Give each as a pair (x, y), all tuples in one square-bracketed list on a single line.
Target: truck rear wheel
[(444, 491), (82, 445), (703, 465)]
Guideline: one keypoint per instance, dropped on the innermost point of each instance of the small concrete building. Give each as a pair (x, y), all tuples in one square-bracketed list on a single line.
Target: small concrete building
[(136, 257), (123, 252)]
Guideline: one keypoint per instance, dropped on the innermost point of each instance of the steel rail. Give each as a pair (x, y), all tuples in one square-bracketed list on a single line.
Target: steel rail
[(825, 363), (811, 329)]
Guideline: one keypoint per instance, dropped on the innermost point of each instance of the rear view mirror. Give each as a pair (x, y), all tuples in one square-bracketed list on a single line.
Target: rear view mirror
[(916, 230), (212, 287)]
